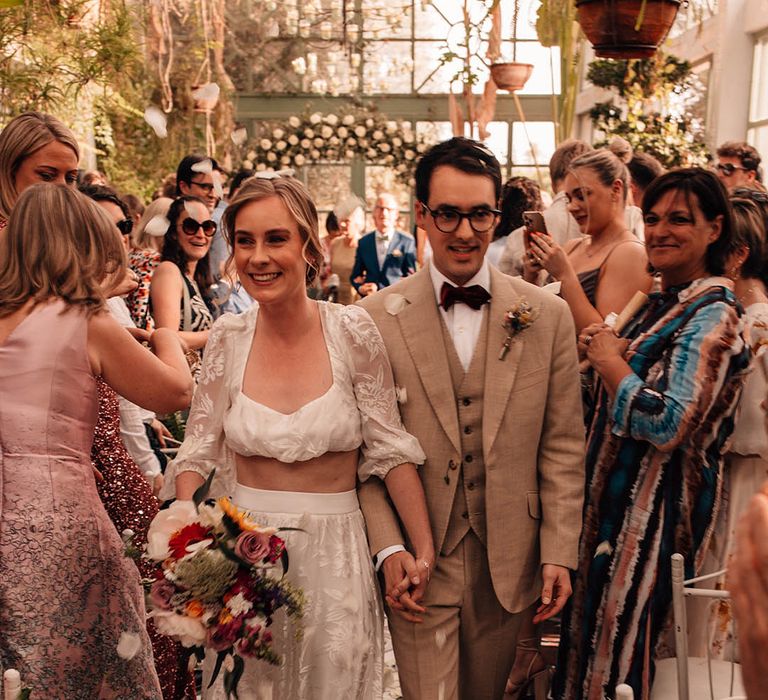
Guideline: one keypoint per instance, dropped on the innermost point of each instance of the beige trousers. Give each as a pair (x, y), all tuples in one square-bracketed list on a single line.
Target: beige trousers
[(465, 647)]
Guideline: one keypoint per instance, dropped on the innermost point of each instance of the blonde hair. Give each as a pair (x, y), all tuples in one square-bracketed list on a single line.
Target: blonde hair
[(58, 244), (606, 165), (157, 207), (23, 136), (297, 199)]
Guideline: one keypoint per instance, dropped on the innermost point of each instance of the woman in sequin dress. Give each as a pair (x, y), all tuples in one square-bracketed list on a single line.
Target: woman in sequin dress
[(69, 596)]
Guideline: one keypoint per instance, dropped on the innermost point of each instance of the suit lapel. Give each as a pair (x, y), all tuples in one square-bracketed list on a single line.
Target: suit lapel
[(499, 374), (420, 325), (373, 257)]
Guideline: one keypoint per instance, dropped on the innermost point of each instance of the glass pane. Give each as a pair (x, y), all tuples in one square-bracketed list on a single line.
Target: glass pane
[(532, 138), (758, 137), (541, 176), (546, 62), (388, 67), (526, 21), (434, 19), (329, 184), (386, 20), (498, 141), (380, 179), (758, 108), (427, 68), (434, 132)]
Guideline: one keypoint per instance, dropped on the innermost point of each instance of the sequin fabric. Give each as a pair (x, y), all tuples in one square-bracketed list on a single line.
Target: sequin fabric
[(128, 499), (67, 592)]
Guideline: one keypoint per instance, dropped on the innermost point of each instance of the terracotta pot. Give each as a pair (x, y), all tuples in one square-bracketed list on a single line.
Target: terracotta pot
[(610, 25), (511, 76)]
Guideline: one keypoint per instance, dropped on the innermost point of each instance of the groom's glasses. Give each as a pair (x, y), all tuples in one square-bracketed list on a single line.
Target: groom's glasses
[(448, 219)]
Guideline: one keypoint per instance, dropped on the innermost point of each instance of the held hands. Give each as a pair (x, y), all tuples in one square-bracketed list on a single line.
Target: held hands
[(367, 288), (548, 255), (405, 580), (555, 591)]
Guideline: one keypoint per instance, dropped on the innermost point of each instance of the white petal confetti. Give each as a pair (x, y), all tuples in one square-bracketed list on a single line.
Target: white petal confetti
[(217, 188), (239, 136), (207, 93), (603, 548), (156, 118), (440, 639), (128, 645), (157, 226), (204, 166)]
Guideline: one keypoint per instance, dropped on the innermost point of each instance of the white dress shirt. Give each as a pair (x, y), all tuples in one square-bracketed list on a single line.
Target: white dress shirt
[(383, 242), (463, 322)]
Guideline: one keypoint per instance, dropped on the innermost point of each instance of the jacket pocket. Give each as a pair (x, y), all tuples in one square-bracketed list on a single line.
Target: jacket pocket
[(534, 504)]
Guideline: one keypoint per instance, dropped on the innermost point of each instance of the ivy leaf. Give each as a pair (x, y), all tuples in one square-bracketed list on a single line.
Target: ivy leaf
[(10, 3)]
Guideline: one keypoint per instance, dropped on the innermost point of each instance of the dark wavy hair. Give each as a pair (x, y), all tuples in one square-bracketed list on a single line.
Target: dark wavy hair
[(519, 194), (712, 198), (173, 251), (749, 230)]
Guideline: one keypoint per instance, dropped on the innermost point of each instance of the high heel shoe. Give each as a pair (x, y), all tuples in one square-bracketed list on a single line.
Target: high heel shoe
[(529, 670)]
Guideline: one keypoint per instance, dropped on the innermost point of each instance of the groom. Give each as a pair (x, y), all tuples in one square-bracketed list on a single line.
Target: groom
[(498, 414)]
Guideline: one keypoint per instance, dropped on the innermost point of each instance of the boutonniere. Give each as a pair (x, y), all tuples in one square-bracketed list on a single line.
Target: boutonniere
[(397, 253), (395, 303), (516, 320)]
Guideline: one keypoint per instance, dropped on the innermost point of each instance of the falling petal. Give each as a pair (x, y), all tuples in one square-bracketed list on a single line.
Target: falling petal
[(604, 548), (217, 188), (239, 136), (157, 226), (204, 166), (189, 208), (207, 93), (440, 639), (128, 645), (441, 690), (155, 117)]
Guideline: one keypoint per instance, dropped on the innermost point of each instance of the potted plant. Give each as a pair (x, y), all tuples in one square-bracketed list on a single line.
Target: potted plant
[(512, 75), (626, 28)]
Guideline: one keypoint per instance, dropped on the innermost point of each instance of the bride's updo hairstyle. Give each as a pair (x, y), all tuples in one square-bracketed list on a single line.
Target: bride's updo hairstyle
[(297, 200), (58, 244), (609, 164)]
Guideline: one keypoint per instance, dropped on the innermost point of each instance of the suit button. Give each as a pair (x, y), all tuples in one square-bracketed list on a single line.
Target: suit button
[(452, 465), (471, 485), (466, 402), (468, 459), (467, 430), (465, 515)]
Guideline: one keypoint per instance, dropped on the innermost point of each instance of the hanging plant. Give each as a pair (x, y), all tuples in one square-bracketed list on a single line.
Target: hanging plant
[(332, 138)]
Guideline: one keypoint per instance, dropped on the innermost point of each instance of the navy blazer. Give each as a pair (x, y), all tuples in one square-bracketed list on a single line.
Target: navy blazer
[(399, 262)]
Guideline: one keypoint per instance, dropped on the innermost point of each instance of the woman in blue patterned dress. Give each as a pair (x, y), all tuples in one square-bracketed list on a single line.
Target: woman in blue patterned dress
[(666, 397)]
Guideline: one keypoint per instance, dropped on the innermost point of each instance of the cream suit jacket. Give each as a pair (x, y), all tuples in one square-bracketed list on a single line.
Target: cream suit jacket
[(533, 431)]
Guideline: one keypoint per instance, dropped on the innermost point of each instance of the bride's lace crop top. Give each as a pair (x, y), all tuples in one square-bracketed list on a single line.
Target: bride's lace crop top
[(359, 410)]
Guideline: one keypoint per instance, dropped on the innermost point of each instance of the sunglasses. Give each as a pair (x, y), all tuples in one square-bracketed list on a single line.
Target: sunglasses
[(728, 168), (125, 226), (190, 227)]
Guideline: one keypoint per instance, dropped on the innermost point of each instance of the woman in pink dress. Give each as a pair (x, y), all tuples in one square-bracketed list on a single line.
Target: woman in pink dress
[(71, 609)]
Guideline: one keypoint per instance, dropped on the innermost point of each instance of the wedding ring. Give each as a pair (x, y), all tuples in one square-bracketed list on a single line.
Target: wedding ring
[(587, 339)]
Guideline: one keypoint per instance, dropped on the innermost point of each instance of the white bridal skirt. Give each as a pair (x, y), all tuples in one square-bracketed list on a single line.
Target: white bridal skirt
[(340, 654)]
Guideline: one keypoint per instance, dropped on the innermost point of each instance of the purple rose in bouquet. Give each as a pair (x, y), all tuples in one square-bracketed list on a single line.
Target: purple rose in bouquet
[(252, 547)]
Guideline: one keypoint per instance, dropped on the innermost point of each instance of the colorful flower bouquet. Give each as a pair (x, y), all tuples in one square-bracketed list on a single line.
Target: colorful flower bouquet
[(213, 588)]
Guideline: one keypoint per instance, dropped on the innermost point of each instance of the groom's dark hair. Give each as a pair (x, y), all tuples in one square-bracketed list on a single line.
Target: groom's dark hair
[(464, 154)]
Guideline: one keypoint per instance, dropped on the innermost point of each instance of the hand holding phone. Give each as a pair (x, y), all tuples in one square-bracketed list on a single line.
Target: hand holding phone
[(534, 223)]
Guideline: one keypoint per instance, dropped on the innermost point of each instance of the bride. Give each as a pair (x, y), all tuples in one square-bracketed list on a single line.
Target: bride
[(296, 402)]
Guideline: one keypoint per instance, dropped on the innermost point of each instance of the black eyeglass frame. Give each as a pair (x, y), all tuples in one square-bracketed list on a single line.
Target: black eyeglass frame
[(462, 215), (206, 187), (191, 230)]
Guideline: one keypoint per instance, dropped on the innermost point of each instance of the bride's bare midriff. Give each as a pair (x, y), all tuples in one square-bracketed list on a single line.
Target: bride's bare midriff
[(332, 472)]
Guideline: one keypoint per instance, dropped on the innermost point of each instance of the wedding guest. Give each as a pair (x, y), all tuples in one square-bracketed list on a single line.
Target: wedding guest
[(350, 215), (147, 243), (748, 584), (332, 231), (601, 271), (643, 170), (135, 208), (496, 408), (385, 255), (289, 438), (746, 462), (92, 178), (519, 194), (180, 294), (738, 165), (67, 607), (34, 147), (108, 199), (664, 411), (195, 177)]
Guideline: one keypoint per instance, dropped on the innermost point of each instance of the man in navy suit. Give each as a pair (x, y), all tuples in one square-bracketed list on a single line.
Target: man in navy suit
[(385, 255)]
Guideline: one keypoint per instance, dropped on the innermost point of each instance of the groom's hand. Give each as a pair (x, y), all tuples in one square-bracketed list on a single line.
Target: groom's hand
[(401, 576), (555, 591)]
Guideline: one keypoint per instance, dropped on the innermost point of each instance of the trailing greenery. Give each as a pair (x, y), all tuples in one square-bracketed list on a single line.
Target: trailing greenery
[(650, 108)]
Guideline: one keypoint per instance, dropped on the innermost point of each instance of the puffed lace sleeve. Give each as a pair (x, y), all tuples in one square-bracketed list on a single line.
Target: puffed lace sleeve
[(386, 444), (204, 447)]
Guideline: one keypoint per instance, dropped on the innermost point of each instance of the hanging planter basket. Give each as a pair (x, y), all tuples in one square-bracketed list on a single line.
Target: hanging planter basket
[(611, 25), (511, 76)]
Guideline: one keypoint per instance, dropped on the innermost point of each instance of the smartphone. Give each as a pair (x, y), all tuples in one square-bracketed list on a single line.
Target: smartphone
[(533, 221)]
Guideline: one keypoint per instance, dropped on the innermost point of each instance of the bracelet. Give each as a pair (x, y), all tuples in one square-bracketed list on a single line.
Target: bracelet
[(427, 567)]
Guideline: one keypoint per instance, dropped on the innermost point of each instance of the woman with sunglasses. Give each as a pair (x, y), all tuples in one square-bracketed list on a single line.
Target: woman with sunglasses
[(180, 294)]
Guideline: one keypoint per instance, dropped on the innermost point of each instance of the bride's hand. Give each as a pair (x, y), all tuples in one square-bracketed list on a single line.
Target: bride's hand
[(401, 577), (425, 565)]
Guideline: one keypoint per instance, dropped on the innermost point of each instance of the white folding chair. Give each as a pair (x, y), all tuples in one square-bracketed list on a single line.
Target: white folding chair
[(693, 678)]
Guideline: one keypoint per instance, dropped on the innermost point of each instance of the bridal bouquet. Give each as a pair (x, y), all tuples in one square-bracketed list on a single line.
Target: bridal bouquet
[(214, 588)]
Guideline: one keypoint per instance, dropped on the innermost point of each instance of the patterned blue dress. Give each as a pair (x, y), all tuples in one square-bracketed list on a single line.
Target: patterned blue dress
[(654, 463)]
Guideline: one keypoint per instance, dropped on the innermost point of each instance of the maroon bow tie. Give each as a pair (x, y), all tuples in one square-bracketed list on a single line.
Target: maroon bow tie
[(474, 296)]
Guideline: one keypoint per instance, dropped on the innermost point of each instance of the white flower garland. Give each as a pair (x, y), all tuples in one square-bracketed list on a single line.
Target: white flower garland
[(324, 138)]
